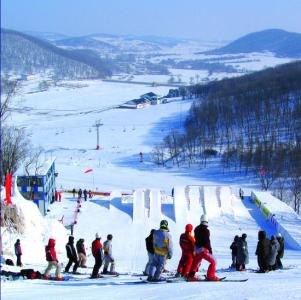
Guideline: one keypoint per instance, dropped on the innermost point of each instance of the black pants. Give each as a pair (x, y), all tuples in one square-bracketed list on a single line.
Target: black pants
[(70, 262), (19, 263), (279, 263), (98, 263)]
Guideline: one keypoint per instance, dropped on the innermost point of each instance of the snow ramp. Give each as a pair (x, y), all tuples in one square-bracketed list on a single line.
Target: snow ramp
[(211, 202), (280, 216), (180, 206)]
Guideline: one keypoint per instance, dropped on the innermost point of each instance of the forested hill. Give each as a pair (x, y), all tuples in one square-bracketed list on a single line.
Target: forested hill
[(23, 53), (280, 42), (253, 121)]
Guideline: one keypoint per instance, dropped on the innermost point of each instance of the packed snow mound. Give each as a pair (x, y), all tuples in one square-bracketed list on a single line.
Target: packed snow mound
[(35, 232)]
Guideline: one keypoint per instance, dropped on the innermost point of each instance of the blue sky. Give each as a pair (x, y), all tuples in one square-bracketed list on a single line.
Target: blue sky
[(201, 19)]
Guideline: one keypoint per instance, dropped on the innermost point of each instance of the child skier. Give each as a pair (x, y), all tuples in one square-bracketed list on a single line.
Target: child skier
[(18, 252), (163, 250), (262, 251), (242, 253), (203, 251), (108, 256), (52, 260), (187, 244), (81, 252)]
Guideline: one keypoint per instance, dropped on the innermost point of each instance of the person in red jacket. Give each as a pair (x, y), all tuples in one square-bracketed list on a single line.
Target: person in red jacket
[(203, 250), (187, 244), (52, 260), (98, 255)]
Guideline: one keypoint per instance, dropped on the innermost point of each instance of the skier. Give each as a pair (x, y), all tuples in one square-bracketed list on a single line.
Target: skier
[(52, 260), (274, 248), (141, 157), (108, 256), (85, 194), (203, 251), (81, 251), (262, 251), (150, 251), (98, 255), (187, 244), (162, 242), (80, 192), (18, 252), (73, 192), (233, 247), (71, 254), (280, 251), (242, 253), (90, 194)]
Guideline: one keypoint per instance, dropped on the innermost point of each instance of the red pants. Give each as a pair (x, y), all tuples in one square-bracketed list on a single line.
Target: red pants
[(185, 263), (203, 253)]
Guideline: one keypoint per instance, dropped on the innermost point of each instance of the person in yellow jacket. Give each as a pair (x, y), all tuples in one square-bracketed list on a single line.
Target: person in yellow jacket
[(162, 242)]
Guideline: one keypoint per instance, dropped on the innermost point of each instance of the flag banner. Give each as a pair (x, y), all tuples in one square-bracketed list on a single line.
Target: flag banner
[(89, 171), (8, 182)]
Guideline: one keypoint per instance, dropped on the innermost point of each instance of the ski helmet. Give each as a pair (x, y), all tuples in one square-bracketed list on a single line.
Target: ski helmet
[(204, 219), (164, 224)]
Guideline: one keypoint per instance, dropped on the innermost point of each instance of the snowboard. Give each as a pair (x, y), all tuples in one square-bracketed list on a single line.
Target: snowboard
[(223, 279)]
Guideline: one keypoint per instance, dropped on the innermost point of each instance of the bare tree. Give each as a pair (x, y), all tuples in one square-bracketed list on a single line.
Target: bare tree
[(8, 90), (33, 163)]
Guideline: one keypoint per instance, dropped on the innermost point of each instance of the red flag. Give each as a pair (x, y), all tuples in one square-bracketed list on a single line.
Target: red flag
[(8, 188), (89, 171)]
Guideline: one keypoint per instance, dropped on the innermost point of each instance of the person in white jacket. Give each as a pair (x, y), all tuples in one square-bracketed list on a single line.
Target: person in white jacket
[(108, 256)]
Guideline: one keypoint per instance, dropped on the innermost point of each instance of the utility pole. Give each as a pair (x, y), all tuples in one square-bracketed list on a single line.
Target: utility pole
[(97, 125)]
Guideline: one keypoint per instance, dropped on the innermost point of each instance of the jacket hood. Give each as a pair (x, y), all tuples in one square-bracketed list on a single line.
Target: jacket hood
[(51, 243), (261, 235), (71, 239)]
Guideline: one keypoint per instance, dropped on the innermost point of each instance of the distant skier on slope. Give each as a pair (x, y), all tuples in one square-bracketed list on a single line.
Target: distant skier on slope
[(98, 255), (52, 260), (233, 248), (203, 250), (108, 256), (72, 256), (150, 251), (242, 253), (162, 242), (187, 244), (18, 252)]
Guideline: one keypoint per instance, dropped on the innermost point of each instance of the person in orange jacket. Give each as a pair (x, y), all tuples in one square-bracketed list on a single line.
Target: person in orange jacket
[(187, 244)]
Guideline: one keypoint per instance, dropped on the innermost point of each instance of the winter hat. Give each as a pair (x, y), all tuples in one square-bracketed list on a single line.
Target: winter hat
[(71, 239), (204, 219), (188, 228), (279, 234), (97, 235), (109, 237), (244, 236), (164, 224)]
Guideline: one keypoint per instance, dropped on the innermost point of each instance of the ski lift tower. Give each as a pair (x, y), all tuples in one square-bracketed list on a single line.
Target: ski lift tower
[(97, 125)]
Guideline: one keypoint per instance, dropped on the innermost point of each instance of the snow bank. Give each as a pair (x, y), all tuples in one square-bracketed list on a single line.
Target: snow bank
[(283, 217), (35, 234)]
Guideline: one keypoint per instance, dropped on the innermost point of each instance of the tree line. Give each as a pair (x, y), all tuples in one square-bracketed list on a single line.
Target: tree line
[(251, 123)]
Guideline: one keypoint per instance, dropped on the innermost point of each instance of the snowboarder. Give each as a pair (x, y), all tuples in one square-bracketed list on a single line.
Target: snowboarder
[(262, 251), (203, 250), (162, 242), (73, 192), (52, 260), (81, 252), (98, 255), (72, 256), (150, 251), (80, 192), (233, 247), (85, 194), (280, 251), (108, 256), (18, 252), (242, 253), (274, 248), (187, 244), (90, 194)]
